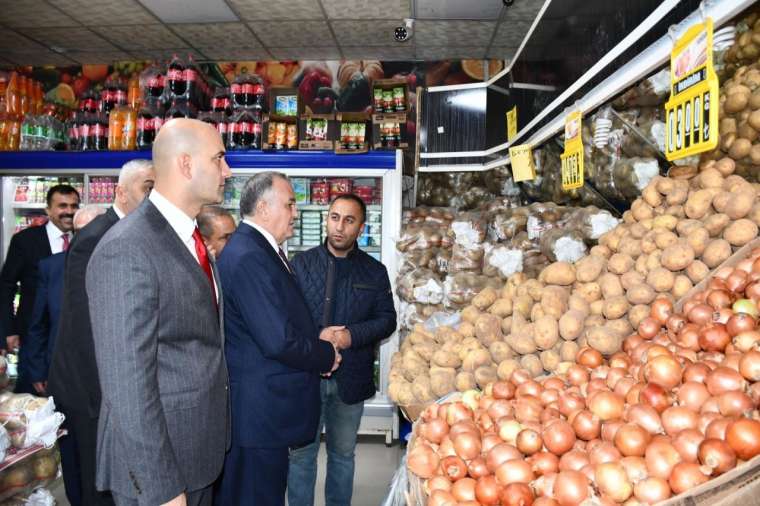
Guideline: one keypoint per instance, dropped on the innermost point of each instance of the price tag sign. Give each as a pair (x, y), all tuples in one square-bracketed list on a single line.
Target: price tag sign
[(572, 158), (512, 123), (691, 114), (521, 159)]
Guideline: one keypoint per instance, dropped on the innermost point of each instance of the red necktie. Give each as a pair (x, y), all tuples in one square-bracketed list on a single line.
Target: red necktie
[(65, 242), (200, 250)]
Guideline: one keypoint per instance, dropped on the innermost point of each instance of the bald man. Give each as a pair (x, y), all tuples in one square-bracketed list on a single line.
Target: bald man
[(73, 379), (156, 320)]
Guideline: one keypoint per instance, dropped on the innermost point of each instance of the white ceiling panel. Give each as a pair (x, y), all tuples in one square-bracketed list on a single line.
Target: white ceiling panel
[(14, 41), (69, 39), (459, 9), (236, 54), (39, 58), (106, 57), (147, 37), (386, 53), (105, 12), (445, 53), (293, 33), (305, 53), (32, 13), (375, 32), (453, 33), (167, 54), (217, 34), (367, 9), (501, 52), (277, 9), (511, 33), (190, 11)]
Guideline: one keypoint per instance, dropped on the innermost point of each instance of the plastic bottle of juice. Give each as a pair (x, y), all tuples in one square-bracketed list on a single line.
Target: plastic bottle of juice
[(115, 128), (4, 126), (30, 96), (23, 98), (39, 100), (14, 132), (133, 92), (12, 96)]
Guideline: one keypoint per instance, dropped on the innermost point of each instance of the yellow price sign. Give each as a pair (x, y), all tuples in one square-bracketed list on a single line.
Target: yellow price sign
[(512, 123), (521, 159), (691, 114), (572, 158)]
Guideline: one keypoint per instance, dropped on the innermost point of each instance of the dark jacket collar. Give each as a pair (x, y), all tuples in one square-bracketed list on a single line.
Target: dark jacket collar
[(351, 254)]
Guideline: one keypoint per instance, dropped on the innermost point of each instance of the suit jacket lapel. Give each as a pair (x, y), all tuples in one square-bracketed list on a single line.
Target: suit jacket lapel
[(262, 241), (177, 247), (44, 242), (220, 297)]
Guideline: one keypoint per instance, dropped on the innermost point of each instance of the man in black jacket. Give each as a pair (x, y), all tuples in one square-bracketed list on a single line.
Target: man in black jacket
[(27, 248), (73, 378), (343, 286)]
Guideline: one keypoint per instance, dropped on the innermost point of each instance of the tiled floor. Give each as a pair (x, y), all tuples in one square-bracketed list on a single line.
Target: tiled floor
[(375, 465)]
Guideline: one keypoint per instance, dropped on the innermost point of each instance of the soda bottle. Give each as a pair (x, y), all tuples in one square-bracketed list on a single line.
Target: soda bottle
[(12, 95), (72, 129), (175, 78), (152, 83), (221, 100), (4, 127), (30, 96), (194, 84), (119, 94), (221, 126), (38, 97), (115, 129), (99, 131), (14, 132), (181, 108), (27, 132), (23, 98), (133, 92), (148, 119), (85, 132), (129, 138)]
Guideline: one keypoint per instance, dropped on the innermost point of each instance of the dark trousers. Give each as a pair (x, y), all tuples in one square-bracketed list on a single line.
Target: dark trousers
[(85, 431), (253, 477), (70, 466), (202, 497)]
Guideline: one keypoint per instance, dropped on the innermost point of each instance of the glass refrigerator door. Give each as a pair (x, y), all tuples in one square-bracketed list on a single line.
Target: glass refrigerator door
[(24, 201)]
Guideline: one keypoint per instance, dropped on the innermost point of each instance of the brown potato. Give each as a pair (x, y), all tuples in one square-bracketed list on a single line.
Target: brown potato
[(442, 383), (720, 201), (603, 340), (445, 359), (740, 232), (754, 214), (665, 238), (521, 343), (476, 358), (637, 313), (621, 327), (600, 251), (568, 351), (681, 286), (711, 178), (467, 329), (641, 265), (500, 351), (610, 285), (488, 328), (554, 301), (698, 204), (470, 314), (631, 279), (532, 364), (661, 280), (651, 196), (716, 252), (740, 148), (571, 324), (597, 307), (630, 246), (576, 302), (698, 239), (550, 359), (740, 204), (697, 271), (640, 210), (506, 325), (485, 298), (685, 227), (715, 224), (726, 166), (619, 263), (501, 307), (665, 221), (678, 256), (641, 294), (588, 268), (558, 273), (506, 368), (615, 308), (590, 291), (465, 381)]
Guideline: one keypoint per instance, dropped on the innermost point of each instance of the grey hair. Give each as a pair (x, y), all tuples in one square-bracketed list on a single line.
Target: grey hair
[(256, 189), (131, 168), (87, 214), (207, 216)]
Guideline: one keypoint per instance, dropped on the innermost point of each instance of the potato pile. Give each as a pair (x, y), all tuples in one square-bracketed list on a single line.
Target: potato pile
[(681, 228), (746, 49)]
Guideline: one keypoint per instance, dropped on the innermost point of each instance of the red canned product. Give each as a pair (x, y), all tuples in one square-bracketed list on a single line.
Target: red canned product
[(340, 186), (320, 192), (366, 193)]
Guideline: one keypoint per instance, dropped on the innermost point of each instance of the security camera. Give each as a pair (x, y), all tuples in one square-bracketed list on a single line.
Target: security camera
[(404, 32), (508, 3)]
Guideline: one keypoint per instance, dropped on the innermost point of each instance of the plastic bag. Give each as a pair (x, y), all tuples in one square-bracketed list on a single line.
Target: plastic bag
[(398, 493), (35, 416), (466, 259), (420, 285), (650, 92), (460, 289), (507, 224), (469, 229), (420, 237), (563, 245), (503, 261)]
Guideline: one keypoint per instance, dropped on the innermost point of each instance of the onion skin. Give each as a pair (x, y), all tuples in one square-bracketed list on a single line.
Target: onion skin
[(724, 379), (743, 435), (687, 443), (441, 498), (437, 483), (606, 405), (487, 491), (477, 468), (717, 455), (464, 490), (661, 457), (453, 468), (571, 488), (632, 440), (612, 481), (686, 476), (423, 461), (663, 370), (749, 365), (517, 494), (574, 460), (544, 463), (692, 395), (645, 416), (586, 425), (514, 471), (558, 437), (529, 442), (652, 490), (500, 454), (677, 418)]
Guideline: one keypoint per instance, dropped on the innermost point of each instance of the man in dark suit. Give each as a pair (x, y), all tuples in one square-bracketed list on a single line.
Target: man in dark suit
[(273, 349), (156, 317), (27, 248), (39, 344), (343, 286), (216, 225), (73, 379)]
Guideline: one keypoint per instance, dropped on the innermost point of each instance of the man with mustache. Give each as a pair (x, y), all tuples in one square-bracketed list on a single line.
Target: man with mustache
[(27, 248)]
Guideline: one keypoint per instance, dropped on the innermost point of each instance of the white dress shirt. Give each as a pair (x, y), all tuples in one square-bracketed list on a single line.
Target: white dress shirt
[(182, 224), (55, 237), (118, 211), (270, 239)]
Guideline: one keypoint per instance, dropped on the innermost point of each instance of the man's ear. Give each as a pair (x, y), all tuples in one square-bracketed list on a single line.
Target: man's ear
[(185, 163)]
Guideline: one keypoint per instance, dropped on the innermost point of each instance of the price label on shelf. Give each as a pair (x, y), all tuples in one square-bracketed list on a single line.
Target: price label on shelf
[(511, 123), (521, 159), (572, 158), (691, 114)]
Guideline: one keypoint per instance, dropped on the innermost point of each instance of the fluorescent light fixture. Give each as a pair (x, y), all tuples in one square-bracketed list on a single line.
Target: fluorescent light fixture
[(190, 11)]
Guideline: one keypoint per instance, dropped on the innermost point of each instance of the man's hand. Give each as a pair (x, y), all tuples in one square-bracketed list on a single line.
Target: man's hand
[(12, 342), (336, 363), (328, 334), (211, 250), (342, 338), (40, 387), (180, 500)]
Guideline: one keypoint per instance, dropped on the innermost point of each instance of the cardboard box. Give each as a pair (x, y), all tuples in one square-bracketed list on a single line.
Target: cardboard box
[(391, 84), (323, 145), (275, 92), (354, 117), (734, 259)]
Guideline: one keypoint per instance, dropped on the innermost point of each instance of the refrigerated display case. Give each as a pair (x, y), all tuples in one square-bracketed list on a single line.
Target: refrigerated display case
[(316, 176)]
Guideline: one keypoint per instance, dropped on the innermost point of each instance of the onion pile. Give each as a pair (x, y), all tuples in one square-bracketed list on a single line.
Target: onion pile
[(677, 408)]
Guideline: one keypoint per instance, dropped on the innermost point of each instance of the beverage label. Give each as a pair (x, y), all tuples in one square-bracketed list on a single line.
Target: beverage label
[(217, 103), (221, 127), (85, 130), (234, 128), (257, 128), (120, 96), (99, 130), (154, 82), (174, 75), (246, 127), (236, 88), (157, 123), (191, 75), (258, 89), (248, 88), (142, 123)]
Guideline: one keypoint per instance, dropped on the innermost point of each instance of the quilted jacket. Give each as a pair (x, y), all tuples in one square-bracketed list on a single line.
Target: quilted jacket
[(363, 303)]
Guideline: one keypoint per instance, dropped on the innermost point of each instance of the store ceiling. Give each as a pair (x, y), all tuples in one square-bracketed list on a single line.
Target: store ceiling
[(60, 32)]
